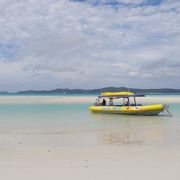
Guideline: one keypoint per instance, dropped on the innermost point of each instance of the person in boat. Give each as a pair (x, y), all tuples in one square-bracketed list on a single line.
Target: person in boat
[(104, 102)]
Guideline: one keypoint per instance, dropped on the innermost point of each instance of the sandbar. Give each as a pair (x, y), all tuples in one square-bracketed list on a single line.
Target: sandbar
[(77, 99)]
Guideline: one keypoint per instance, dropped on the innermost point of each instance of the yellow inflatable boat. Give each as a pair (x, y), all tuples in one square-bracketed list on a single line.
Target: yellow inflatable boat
[(126, 106)]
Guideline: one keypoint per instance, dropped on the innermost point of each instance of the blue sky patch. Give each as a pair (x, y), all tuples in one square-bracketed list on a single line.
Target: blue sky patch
[(116, 4), (8, 51)]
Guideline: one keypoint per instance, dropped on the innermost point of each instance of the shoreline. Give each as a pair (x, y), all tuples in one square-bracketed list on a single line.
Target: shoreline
[(76, 99)]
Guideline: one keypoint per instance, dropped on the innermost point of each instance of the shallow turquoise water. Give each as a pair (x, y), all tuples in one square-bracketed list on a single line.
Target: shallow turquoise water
[(75, 118)]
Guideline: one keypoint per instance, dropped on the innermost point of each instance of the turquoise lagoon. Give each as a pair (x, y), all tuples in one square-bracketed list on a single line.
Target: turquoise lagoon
[(74, 119)]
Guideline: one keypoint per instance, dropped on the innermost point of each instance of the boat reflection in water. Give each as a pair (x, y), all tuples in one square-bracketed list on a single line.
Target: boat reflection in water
[(129, 130), (131, 137)]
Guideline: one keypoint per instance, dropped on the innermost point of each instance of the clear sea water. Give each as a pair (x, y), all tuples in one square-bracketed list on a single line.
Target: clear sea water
[(43, 119)]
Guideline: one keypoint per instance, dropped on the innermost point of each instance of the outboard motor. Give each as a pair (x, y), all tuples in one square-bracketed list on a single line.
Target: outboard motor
[(166, 109)]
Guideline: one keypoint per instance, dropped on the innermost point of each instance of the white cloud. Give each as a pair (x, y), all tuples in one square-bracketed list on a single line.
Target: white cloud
[(70, 44)]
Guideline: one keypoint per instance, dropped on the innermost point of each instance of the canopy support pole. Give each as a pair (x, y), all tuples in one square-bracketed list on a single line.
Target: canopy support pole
[(135, 101)]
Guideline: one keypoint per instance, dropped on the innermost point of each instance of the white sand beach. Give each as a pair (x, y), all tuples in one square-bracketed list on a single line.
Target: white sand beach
[(21, 158), (79, 99), (131, 149)]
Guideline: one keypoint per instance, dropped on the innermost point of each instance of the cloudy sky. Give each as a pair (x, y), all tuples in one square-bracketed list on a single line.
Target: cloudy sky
[(49, 44)]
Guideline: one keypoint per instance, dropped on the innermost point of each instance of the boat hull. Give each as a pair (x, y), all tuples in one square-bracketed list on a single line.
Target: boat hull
[(147, 110)]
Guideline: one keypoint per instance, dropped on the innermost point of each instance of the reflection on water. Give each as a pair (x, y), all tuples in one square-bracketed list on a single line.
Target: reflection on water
[(104, 116), (138, 130), (131, 137), (121, 138)]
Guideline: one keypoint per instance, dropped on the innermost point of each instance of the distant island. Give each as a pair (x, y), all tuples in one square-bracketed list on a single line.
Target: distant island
[(97, 91), (4, 92)]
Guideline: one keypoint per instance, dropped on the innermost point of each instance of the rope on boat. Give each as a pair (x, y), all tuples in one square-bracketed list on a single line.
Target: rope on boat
[(166, 110)]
